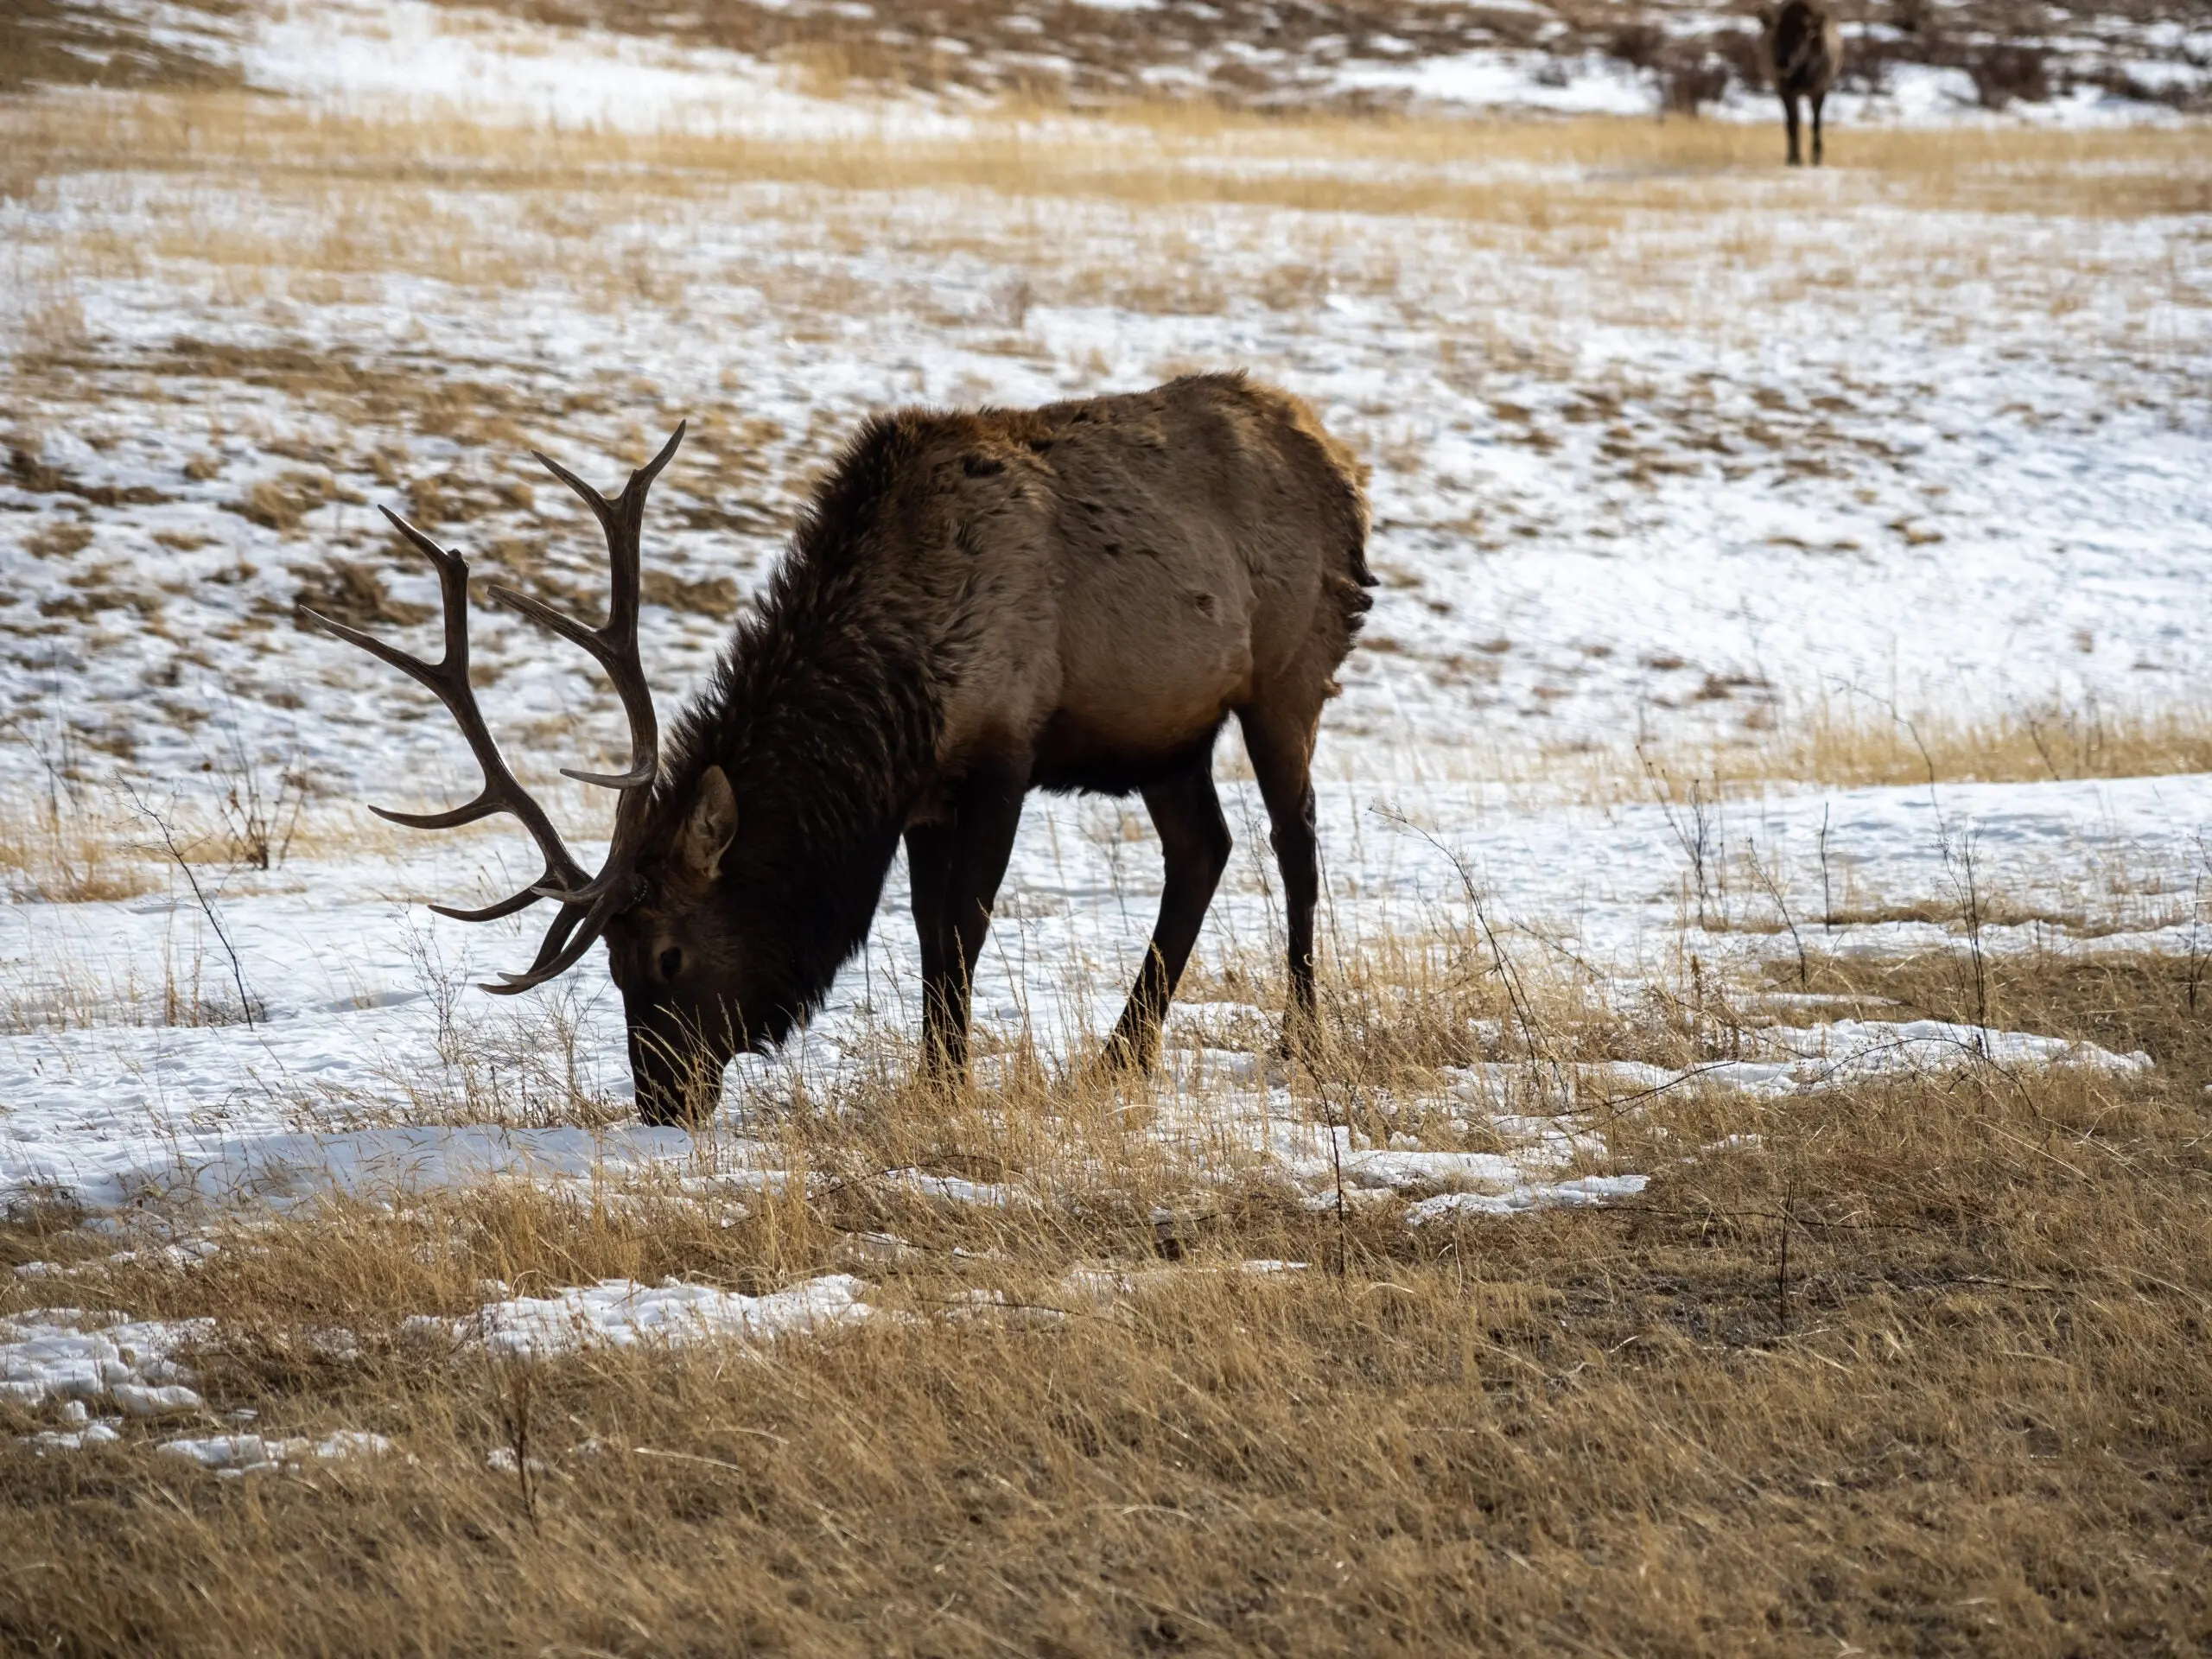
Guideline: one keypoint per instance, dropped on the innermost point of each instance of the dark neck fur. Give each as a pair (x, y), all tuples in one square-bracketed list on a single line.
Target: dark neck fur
[(823, 712)]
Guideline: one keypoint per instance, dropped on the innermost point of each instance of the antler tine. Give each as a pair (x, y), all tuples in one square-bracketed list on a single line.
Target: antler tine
[(506, 906), (560, 950), (587, 903), (602, 509), (614, 647), (640, 480), (448, 680), (613, 644)]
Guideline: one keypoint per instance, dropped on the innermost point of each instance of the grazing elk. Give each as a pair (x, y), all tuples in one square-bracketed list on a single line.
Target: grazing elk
[(975, 605), (1805, 48)]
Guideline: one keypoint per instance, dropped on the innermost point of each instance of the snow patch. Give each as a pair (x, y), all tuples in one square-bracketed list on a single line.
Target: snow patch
[(1583, 1192), (622, 1313), (500, 70), (1803, 1059), (233, 1455), (60, 1353)]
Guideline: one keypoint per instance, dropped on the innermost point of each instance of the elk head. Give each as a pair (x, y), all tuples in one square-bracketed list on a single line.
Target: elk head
[(659, 899)]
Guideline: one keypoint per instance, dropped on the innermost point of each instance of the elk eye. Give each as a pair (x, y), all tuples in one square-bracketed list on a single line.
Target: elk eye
[(672, 962)]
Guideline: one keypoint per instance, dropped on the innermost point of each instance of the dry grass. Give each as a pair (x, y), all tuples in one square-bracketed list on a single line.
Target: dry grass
[(66, 854), (1847, 744), (1909, 1365), (1853, 744), (1964, 1419), (48, 42), (92, 843), (1154, 155), (1844, 746)]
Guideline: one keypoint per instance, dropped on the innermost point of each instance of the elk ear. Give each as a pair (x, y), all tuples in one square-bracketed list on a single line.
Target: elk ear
[(707, 832)]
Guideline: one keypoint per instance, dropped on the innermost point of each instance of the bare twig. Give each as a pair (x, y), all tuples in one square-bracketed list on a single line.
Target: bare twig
[(1329, 1117), (2042, 749), (1964, 881), (1516, 995), (1782, 1263), (1337, 1168), (1828, 900), (2196, 956), (260, 825), (510, 1387), (206, 907), (1774, 892), (1961, 870), (1695, 835)]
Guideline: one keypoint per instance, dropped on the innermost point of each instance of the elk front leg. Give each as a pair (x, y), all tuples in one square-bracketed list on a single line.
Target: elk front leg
[(1194, 843), (1789, 115), (968, 856), (1819, 98), (929, 869)]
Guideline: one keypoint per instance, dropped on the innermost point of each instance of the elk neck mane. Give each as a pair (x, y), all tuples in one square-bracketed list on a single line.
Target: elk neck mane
[(823, 711)]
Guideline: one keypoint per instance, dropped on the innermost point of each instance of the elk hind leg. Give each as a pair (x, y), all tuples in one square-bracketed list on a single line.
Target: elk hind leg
[(1195, 844), (1819, 98), (1789, 116), (1281, 744)]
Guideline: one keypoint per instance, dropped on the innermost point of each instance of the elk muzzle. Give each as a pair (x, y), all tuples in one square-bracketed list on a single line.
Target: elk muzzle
[(676, 1068)]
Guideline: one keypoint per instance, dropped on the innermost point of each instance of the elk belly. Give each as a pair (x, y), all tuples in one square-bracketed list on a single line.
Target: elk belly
[(1140, 698)]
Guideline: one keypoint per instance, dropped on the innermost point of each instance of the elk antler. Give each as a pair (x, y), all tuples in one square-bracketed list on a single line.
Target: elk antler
[(587, 903)]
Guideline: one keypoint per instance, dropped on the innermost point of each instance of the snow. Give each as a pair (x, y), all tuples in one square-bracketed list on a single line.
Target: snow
[(1491, 79), (138, 1400), (1103, 1287), (1714, 470), (65, 1354), (1851, 1050), (622, 1313), (252, 1454), (114, 1115), (73, 1439), (490, 68), (1810, 446), (150, 1155), (1580, 1192)]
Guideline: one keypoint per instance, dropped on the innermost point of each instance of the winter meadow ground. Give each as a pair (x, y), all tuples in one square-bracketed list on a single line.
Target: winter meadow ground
[(1751, 1191)]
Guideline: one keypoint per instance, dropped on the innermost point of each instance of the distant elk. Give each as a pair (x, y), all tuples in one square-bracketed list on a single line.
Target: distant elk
[(974, 605), (1805, 50)]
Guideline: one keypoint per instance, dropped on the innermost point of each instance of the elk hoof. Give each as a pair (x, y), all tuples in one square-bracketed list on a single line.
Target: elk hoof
[(1125, 1055), (1301, 1042), (939, 1071)]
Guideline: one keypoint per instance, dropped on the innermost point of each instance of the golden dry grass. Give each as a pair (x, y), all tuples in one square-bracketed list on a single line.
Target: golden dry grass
[(1847, 744), (1963, 1418), (95, 843), (57, 853), (1154, 155), (1959, 1416), (1842, 745), (1836, 744)]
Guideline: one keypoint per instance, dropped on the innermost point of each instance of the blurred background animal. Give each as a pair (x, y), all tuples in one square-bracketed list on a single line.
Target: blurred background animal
[(1805, 50)]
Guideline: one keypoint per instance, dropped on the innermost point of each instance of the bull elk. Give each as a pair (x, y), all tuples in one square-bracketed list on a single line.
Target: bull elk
[(1805, 48), (974, 605)]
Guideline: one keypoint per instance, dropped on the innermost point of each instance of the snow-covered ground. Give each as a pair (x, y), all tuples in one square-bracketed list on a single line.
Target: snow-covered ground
[(1657, 455), (730, 67), (371, 1068), (1698, 453)]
